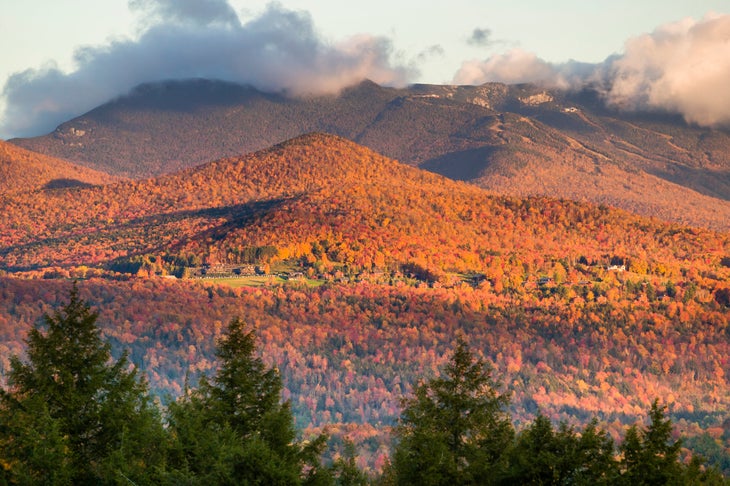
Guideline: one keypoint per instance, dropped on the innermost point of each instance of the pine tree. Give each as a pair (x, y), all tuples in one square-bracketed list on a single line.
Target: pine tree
[(454, 430), (345, 471), (234, 429), (80, 417), (649, 456), (545, 456), (32, 446)]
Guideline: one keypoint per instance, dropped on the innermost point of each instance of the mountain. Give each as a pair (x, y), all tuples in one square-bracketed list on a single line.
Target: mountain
[(517, 140), (321, 200), (24, 171), (585, 310)]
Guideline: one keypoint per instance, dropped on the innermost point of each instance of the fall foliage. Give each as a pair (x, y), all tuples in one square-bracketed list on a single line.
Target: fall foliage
[(585, 311)]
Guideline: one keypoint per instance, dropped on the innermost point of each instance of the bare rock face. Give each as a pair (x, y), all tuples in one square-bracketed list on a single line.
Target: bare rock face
[(537, 99)]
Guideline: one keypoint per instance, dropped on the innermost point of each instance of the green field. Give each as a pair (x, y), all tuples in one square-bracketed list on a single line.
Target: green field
[(261, 281)]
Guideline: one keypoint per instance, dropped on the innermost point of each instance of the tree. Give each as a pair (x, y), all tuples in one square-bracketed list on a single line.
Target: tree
[(544, 456), (454, 430), (345, 471), (73, 416), (649, 456), (32, 448), (234, 429)]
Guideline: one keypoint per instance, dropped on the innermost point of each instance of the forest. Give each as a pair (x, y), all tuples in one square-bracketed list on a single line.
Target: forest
[(72, 415), (347, 353), (368, 273)]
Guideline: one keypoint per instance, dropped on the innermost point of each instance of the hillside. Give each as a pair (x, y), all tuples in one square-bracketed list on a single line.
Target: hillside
[(348, 353), (515, 140), (25, 171), (584, 310), (371, 212)]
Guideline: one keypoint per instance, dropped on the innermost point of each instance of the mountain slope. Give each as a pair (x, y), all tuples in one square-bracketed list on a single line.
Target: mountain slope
[(546, 161), (23, 171), (320, 200), (583, 309), (517, 140)]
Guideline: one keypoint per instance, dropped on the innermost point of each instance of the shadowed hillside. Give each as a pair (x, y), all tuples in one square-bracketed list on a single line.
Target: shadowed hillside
[(24, 171), (321, 198)]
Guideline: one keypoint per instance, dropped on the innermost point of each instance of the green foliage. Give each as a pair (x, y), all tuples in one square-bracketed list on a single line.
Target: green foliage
[(544, 456), (345, 471), (33, 449), (709, 448), (252, 254), (454, 430), (649, 456), (234, 429), (77, 416)]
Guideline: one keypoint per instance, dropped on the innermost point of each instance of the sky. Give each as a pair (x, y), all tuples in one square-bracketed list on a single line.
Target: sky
[(62, 58)]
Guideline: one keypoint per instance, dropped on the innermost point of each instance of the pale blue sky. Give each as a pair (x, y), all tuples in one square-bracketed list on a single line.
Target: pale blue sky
[(429, 36)]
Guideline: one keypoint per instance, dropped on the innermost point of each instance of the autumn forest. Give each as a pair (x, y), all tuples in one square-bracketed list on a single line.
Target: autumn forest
[(360, 276)]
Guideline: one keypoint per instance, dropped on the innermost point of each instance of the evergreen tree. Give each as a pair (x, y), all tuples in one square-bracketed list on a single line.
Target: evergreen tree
[(544, 456), (649, 456), (234, 429), (71, 415), (454, 430), (32, 448), (201, 451), (345, 471)]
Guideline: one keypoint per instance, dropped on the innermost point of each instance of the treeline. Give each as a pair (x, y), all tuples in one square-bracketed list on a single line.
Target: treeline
[(455, 430), (72, 415), (347, 353)]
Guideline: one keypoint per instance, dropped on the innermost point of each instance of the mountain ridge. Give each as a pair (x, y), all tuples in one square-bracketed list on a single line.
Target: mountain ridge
[(22, 170), (373, 212), (495, 136)]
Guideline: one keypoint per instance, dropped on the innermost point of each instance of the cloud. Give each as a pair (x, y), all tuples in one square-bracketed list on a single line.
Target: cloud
[(435, 50), (278, 51), (514, 66), (682, 67), (197, 12), (520, 66), (480, 37)]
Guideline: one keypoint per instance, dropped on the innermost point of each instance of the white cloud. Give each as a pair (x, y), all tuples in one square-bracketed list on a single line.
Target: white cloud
[(278, 51), (681, 67), (514, 66)]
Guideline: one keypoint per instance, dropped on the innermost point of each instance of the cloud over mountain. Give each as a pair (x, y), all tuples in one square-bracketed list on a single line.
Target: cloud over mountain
[(198, 12), (519, 66), (682, 67), (279, 50)]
